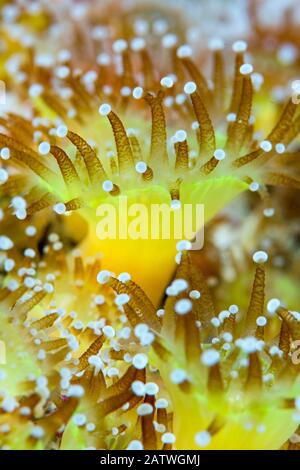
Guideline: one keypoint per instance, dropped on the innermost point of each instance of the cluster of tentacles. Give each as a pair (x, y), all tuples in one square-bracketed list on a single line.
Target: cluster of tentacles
[(70, 375)]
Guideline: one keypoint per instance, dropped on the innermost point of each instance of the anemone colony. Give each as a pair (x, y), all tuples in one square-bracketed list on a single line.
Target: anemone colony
[(132, 344)]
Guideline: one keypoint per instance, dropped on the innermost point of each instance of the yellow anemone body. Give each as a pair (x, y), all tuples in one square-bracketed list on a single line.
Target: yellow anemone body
[(149, 261)]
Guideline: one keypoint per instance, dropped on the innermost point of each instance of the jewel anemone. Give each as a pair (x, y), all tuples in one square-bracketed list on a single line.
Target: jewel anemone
[(232, 376), (68, 383), (72, 170)]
